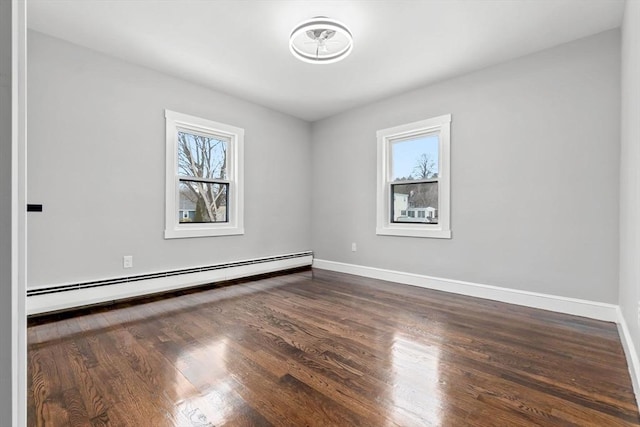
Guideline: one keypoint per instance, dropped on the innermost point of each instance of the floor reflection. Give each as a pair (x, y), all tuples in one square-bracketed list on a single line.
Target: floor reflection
[(212, 406), (416, 382), (327, 349)]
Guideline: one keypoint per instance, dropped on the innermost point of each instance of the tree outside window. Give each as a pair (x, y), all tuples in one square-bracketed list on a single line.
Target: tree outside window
[(204, 157)]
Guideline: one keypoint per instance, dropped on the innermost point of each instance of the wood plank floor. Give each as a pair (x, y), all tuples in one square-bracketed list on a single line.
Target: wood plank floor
[(316, 348)]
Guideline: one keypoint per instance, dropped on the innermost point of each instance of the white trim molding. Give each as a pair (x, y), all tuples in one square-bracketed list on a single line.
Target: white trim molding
[(633, 362), (574, 306), (18, 416), (577, 307), (234, 165), (67, 296), (385, 224)]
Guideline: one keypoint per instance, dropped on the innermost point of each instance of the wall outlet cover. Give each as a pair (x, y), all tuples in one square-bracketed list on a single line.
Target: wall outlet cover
[(127, 261)]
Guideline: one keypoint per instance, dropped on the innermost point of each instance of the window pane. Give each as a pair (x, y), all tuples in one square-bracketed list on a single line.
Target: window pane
[(415, 158), (202, 156), (202, 202), (415, 202)]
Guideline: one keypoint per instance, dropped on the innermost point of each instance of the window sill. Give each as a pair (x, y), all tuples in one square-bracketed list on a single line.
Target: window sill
[(183, 233), (401, 231)]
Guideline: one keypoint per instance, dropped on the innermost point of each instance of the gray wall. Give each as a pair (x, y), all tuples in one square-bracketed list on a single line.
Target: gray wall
[(535, 160), (97, 164), (630, 171), (6, 323)]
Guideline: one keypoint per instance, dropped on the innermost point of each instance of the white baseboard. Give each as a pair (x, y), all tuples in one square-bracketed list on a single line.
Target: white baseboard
[(37, 304), (574, 306), (630, 352)]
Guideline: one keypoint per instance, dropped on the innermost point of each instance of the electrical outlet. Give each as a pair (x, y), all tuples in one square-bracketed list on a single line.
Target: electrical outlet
[(127, 261), (353, 247)]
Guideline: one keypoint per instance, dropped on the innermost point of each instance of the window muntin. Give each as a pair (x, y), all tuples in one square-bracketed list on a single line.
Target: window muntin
[(413, 179), (202, 173), (204, 192), (414, 163)]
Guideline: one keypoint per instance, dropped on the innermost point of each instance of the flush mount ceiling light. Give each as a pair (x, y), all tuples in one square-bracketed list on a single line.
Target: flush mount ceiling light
[(320, 40)]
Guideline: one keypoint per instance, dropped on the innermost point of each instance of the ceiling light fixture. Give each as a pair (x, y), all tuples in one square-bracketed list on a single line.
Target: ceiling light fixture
[(320, 40)]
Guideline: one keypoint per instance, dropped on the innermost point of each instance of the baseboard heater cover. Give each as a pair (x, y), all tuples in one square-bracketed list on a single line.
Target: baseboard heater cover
[(60, 297)]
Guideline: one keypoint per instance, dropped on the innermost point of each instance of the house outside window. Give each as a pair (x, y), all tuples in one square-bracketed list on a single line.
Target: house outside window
[(413, 190), (204, 189)]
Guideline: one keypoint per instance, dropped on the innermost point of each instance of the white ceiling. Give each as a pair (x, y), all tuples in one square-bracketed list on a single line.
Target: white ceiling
[(241, 47)]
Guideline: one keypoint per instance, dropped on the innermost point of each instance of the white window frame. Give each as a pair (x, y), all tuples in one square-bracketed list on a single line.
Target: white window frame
[(384, 225), (235, 161)]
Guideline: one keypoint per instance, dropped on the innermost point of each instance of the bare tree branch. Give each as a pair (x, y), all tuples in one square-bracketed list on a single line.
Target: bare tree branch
[(202, 157), (425, 167)]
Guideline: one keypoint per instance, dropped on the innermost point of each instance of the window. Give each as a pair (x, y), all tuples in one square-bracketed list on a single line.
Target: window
[(204, 192), (413, 179)]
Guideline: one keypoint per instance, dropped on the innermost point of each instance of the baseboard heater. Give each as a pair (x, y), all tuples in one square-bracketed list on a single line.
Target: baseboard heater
[(66, 296)]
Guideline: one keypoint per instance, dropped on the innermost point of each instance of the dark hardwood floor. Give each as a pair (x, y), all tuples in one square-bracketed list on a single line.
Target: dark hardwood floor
[(316, 348)]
